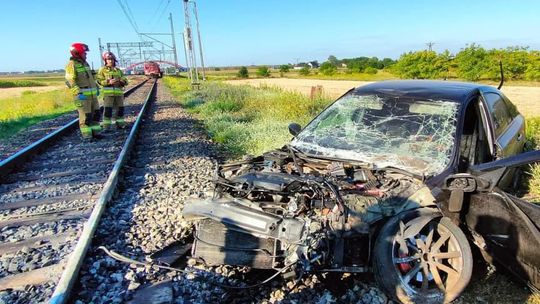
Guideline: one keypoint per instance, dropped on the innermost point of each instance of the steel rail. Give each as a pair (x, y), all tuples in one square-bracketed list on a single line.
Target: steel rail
[(19, 157), (69, 276)]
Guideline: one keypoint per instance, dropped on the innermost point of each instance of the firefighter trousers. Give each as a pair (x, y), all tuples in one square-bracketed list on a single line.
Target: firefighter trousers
[(88, 115), (113, 111)]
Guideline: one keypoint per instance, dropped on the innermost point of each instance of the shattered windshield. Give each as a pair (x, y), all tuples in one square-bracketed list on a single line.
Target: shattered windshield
[(386, 131)]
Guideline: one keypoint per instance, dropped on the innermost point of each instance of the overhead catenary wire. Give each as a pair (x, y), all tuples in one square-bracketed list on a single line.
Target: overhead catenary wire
[(128, 16)]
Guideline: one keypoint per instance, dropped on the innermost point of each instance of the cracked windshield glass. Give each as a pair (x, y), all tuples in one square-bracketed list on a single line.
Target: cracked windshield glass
[(385, 131)]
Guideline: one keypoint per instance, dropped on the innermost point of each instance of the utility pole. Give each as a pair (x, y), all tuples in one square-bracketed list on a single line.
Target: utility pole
[(430, 45), (173, 41), (192, 64), (185, 53), (101, 50), (199, 38)]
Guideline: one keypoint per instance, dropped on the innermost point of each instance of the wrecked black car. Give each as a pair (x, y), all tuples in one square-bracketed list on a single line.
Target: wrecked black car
[(397, 178)]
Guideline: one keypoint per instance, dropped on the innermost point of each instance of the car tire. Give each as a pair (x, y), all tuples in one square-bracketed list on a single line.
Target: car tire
[(436, 249)]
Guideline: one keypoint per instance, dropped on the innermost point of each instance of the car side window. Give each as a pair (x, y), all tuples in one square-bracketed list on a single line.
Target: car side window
[(499, 112)]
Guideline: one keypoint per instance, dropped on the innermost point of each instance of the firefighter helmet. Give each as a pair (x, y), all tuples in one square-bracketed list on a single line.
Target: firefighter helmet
[(108, 55), (78, 50)]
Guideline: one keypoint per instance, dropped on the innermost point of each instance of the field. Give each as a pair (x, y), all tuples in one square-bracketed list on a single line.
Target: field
[(30, 100), (527, 99)]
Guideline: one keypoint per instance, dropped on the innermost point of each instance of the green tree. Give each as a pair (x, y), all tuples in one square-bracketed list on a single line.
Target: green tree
[(421, 65), (387, 62), (284, 68), (333, 60), (243, 73), (533, 68), (472, 62), (263, 71), (304, 71), (515, 61), (327, 68)]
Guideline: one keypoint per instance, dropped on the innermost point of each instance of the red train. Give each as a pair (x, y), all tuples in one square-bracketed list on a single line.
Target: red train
[(152, 70)]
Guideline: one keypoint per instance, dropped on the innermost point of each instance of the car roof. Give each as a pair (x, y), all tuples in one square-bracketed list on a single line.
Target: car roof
[(426, 89)]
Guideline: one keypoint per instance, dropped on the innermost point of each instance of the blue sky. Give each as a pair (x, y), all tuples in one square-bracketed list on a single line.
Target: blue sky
[(36, 34)]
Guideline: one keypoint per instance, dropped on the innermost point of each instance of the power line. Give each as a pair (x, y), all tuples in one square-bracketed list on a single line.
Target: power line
[(131, 14), (156, 12), (131, 21), (163, 11)]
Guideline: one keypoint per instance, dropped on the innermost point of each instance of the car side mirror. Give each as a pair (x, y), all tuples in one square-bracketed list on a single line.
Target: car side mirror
[(458, 185), (294, 128)]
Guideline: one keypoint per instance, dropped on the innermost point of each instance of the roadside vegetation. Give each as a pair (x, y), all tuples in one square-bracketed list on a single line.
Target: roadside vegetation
[(533, 143), (244, 119), (30, 108)]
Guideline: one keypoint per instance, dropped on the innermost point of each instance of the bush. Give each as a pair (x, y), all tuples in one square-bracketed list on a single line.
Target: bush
[(263, 71), (533, 68), (370, 70), (327, 68), (422, 65), (304, 71), (243, 73), (284, 68), (472, 62)]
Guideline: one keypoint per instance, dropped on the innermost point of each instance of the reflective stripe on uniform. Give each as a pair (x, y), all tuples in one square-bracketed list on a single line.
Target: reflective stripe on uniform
[(88, 92), (95, 128), (112, 91)]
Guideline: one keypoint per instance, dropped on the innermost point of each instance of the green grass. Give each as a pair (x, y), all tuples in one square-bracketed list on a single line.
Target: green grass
[(533, 143), (245, 119), (20, 83), (21, 112)]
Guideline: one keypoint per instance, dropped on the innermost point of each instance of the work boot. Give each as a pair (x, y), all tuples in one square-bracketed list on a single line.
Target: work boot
[(86, 133), (97, 136), (96, 128), (106, 125), (120, 123)]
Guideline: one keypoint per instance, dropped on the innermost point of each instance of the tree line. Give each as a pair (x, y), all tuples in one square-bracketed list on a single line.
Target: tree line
[(471, 63)]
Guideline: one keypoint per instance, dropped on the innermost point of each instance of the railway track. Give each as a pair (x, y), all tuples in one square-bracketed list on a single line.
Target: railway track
[(46, 199)]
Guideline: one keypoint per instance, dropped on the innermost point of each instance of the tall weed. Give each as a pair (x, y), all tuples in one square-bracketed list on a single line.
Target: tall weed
[(245, 119), (533, 143)]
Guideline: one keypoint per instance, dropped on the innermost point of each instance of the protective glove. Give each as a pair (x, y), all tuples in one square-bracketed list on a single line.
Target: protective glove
[(81, 96)]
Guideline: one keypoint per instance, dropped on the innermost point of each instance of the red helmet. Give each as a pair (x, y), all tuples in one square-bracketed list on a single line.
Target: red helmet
[(78, 50)]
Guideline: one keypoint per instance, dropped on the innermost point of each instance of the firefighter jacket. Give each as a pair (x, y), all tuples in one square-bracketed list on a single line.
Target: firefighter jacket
[(105, 74), (79, 78)]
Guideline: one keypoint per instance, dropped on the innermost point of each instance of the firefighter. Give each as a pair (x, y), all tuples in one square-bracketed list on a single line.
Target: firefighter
[(83, 86), (112, 81)]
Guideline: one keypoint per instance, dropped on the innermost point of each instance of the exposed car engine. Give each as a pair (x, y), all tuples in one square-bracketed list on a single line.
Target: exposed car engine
[(281, 208)]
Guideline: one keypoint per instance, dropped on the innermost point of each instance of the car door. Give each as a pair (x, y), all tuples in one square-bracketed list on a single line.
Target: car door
[(508, 125), (504, 226)]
